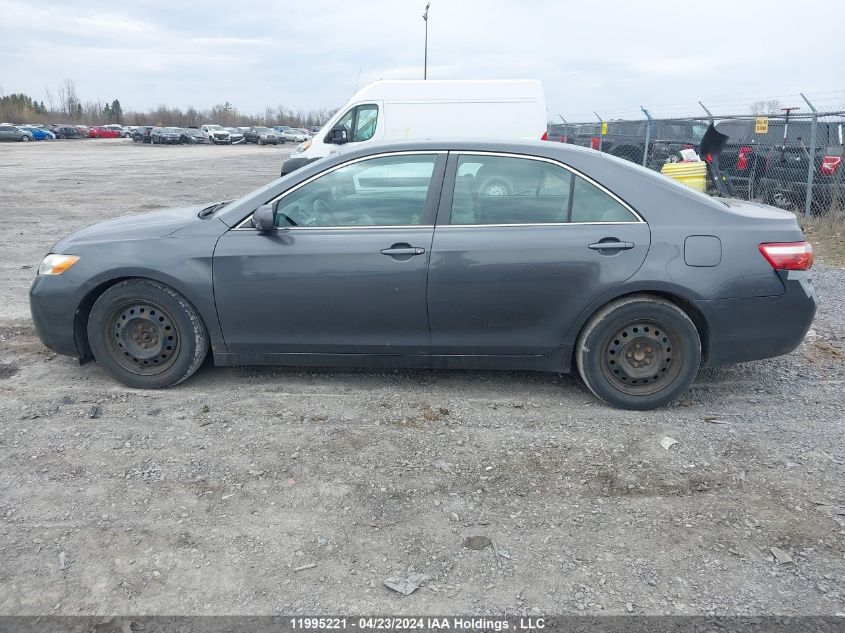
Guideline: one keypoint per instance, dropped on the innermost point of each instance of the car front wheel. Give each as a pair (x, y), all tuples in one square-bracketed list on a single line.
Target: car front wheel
[(146, 335), (639, 352)]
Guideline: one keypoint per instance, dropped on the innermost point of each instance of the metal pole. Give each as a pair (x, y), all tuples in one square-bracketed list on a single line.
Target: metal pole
[(601, 122), (647, 134), (811, 168), (425, 55), (565, 127), (709, 114)]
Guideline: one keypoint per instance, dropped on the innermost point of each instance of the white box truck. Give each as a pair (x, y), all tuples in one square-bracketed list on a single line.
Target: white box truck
[(418, 109)]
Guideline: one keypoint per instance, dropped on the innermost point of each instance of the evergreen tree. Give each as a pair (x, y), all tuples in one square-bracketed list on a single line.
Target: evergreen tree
[(107, 112), (117, 111)]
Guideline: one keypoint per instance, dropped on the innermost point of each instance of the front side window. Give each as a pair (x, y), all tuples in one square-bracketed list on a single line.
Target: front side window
[(365, 122), (360, 122), (493, 190), (386, 191)]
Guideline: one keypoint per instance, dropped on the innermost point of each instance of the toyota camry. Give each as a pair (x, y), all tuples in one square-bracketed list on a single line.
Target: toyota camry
[(535, 256)]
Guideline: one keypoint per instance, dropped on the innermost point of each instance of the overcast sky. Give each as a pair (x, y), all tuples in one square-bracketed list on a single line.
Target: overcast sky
[(611, 56)]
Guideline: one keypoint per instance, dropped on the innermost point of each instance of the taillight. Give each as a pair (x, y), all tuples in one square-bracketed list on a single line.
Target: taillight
[(594, 142), (545, 136), (829, 165), (563, 139), (742, 158), (788, 255)]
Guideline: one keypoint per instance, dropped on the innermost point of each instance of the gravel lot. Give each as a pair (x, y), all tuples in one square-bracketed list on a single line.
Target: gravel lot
[(264, 491)]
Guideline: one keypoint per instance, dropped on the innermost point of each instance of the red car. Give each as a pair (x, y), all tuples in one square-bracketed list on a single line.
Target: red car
[(103, 132)]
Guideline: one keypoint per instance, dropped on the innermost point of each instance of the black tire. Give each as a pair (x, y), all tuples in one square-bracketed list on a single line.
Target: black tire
[(146, 335), (639, 352), (25, 139)]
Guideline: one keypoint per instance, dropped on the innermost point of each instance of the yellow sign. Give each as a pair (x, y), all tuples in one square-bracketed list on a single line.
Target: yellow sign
[(761, 125), (604, 128)]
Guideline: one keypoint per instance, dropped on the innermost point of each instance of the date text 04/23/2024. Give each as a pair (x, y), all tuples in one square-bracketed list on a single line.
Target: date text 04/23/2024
[(406, 623)]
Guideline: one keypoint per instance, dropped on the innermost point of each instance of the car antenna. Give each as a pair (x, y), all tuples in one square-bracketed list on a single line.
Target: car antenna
[(355, 89)]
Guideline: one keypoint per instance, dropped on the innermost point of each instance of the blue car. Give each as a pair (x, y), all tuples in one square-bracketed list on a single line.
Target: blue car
[(38, 133)]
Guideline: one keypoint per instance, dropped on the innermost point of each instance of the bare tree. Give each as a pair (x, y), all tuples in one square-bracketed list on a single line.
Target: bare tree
[(771, 106)]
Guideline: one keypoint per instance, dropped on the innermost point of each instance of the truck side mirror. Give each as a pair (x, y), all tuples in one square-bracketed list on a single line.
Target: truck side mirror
[(338, 135)]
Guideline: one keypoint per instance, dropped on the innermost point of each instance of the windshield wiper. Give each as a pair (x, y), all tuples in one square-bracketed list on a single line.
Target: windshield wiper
[(209, 211)]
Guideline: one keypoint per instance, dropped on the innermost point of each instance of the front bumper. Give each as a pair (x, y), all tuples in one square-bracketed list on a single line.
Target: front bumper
[(54, 303), (741, 330)]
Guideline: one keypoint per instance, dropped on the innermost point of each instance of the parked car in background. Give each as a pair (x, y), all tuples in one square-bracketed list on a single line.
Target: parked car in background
[(38, 133), (216, 134), (165, 136), (235, 135), (141, 134), (123, 132), (784, 179), (103, 132), (14, 133), (281, 128), (635, 283), (295, 135), (83, 130), (262, 136), (626, 139), (192, 136), (66, 131)]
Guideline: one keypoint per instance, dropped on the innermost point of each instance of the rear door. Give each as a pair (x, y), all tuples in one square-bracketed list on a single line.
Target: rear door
[(522, 246)]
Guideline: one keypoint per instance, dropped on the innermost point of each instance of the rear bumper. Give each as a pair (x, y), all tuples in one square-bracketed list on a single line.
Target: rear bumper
[(53, 303), (741, 330)]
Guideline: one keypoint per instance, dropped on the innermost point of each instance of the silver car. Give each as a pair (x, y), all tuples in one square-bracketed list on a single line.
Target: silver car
[(13, 133)]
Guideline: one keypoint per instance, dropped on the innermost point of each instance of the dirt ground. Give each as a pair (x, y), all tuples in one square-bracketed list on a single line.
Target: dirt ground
[(266, 491)]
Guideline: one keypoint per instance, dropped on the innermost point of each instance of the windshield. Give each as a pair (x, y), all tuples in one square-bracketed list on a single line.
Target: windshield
[(262, 130), (214, 127), (175, 130)]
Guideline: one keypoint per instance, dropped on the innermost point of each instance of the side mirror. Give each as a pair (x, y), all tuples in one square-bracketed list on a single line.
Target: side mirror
[(338, 135), (264, 218)]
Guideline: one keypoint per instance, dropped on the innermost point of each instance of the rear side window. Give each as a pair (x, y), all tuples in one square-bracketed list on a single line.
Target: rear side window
[(591, 204), (492, 190), (504, 190)]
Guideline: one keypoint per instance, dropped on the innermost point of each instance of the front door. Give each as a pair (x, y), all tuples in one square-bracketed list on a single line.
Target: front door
[(345, 273), (521, 248)]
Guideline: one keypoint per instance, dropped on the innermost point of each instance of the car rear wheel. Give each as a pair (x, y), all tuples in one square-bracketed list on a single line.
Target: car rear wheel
[(146, 335), (25, 139), (639, 352)]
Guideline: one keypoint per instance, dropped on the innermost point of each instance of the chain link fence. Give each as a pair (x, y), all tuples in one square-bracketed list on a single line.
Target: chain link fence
[(789, 159)]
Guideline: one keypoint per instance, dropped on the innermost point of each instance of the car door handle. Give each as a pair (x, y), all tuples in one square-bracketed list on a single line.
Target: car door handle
[(402, 250), (612, 245)]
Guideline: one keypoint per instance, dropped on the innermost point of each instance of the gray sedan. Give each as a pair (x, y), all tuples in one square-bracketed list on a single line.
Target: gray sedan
[(13, 133), (540, 256)]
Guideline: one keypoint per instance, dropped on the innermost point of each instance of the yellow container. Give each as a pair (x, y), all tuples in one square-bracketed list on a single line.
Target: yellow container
[(692, 174)]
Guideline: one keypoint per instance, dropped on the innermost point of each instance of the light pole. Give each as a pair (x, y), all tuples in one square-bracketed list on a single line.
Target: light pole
[(425, 57)]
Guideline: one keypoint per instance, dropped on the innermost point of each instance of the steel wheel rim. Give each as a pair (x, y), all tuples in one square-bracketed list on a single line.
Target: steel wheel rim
[(496, 189), (142, 337), (642, 357)]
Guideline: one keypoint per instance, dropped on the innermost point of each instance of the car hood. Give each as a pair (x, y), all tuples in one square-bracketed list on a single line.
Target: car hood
[(132, 227)]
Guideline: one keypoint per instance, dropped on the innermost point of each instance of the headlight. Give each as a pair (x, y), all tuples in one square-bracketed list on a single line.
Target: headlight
[(55, 264), (301, 148)]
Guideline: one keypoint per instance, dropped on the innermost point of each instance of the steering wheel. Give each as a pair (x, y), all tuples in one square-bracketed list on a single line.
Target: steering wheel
[(324, 213)]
